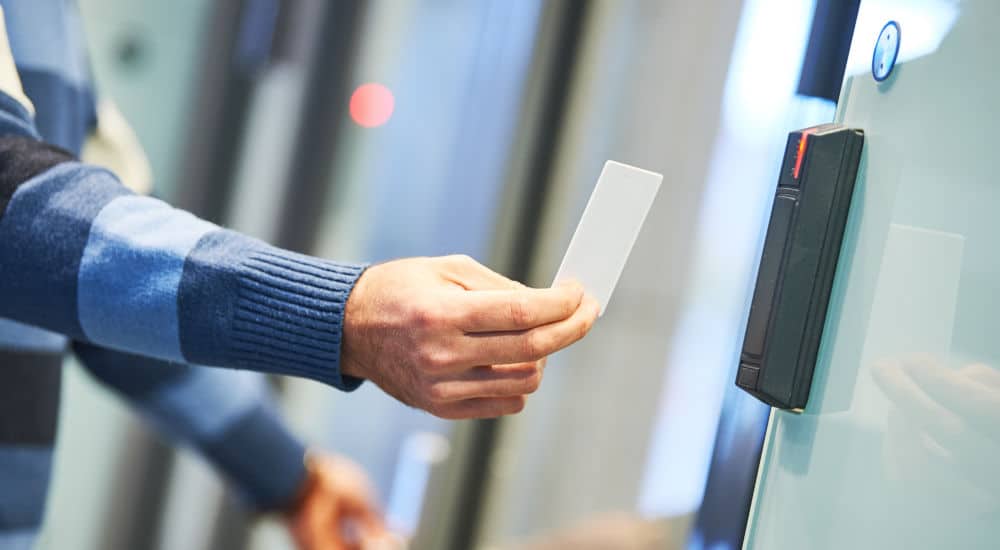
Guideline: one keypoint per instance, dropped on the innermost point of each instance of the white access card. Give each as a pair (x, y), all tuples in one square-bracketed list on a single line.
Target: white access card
[(608, 228)]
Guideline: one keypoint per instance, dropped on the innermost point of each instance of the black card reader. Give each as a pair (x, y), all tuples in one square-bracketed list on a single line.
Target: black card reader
[(800, 254)]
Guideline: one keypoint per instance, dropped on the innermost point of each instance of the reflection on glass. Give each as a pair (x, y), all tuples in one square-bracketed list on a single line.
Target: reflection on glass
[(942, 437)]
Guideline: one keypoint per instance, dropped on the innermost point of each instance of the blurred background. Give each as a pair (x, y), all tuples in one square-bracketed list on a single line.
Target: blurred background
[(369, 130)]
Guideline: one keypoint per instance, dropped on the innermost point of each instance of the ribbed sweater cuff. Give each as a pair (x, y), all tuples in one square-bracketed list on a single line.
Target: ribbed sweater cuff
[(291, 314)]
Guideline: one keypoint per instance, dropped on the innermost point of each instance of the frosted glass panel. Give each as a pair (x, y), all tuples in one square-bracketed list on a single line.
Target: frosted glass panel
[(899, 446)]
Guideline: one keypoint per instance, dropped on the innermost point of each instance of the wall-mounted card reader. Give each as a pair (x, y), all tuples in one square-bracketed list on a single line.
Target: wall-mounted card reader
[(798, 263)]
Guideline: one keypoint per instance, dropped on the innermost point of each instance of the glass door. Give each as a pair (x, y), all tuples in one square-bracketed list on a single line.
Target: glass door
[(899, 444)]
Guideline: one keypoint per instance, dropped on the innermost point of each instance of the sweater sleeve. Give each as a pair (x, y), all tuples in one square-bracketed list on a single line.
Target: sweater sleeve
[(227, 416), (83, 256)]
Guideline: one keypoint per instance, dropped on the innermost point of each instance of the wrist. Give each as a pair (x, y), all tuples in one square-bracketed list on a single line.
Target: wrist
[(351, 364)]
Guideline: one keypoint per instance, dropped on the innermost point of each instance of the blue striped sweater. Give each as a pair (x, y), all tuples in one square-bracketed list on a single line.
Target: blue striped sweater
[(137, 290)]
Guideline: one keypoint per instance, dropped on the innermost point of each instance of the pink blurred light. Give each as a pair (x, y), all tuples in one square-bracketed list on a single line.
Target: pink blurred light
[(371, 105)]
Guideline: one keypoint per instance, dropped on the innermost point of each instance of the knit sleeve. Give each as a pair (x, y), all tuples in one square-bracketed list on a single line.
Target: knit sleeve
[(227, 416), (83, 256)]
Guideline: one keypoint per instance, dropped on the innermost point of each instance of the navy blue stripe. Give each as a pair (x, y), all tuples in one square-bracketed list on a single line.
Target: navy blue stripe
[(42, 237), (22, 158), (264, 459), (29, 397), (207, 296)]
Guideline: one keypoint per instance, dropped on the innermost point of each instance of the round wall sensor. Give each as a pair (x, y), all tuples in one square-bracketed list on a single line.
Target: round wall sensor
[(886, 51)]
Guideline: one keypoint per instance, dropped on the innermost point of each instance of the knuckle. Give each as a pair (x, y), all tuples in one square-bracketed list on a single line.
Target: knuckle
[(520, 311), (570, 302), (460, 260), (534, 381), (422, 356), (435, 357), (443, 358), (433, 394), (425, 316), (439, 393), (424, 395), (535, 344)]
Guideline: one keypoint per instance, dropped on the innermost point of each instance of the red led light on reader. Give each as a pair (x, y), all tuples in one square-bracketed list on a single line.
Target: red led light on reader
[(800, 154), (371, 105)]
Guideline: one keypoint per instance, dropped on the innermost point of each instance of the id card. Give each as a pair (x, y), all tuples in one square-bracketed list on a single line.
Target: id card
[(608, 228)]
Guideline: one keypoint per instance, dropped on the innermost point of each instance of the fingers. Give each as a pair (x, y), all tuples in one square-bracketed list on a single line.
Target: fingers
[(962, 392), (480, 408), (361, 510), (509, 310), (917, 406), (530, 345), (983, 374), (342, 504), (454, 338), (489, 381)]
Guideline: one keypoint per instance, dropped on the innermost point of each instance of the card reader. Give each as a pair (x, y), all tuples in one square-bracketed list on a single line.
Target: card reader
[(799, 259)]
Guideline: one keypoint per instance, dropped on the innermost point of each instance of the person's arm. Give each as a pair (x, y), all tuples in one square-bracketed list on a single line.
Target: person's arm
[(228, 416), (84, 256)]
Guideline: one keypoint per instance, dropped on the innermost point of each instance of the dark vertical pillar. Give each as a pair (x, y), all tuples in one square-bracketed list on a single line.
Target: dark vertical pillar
[(829, 43)]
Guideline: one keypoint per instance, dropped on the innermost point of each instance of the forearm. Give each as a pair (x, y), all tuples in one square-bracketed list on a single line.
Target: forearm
[(85, 257), (227, 416)]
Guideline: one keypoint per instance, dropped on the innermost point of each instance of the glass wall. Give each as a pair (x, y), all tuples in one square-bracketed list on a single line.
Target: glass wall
[(897, 446)]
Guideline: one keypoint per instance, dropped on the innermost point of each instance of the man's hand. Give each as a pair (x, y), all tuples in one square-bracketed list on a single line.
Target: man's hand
[(451, 337), (337, 509)]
